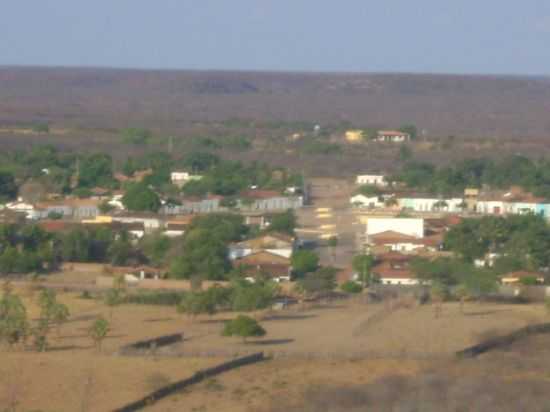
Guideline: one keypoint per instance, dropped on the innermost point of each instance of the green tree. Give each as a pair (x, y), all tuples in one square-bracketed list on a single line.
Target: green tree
[(139, 198), (304, 261), (439, 292), (351, 287), (410, 129), (96, 170), (368, 190), (14, 326), (247, 296), (319, 282), (243, 326), (8, 188), (283, 222), (197, 303), (113, 298), (98, 332), (363, 264)]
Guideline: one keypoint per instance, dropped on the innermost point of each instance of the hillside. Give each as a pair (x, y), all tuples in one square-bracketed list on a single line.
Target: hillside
[(466, 106)]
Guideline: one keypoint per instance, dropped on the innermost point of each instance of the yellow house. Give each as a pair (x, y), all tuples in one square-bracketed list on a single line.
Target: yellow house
[(100, 219), (354, 136)]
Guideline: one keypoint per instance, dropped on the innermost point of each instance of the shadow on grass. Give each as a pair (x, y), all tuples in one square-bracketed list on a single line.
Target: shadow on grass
[(68, 348), (289, 317), (486, 312), (214, 321), (266, 342), (159, 320)]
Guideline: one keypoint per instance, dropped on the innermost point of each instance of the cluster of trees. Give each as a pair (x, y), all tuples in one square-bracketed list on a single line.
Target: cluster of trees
[(523, 242), (240, 296), (204, 248), (25, 249), (29, 248), (16, 327), (230, 178), (532, 175)]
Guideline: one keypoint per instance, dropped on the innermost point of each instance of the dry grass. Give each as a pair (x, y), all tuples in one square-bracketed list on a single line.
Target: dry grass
[(72, 374)]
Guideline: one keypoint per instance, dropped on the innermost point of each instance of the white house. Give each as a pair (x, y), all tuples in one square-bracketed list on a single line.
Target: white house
[(367, 201), (431, 204), (181, 178), (405, 226), (374, 180), (394, 136)]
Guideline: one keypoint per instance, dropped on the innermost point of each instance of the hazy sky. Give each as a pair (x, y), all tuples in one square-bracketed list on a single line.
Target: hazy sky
[(459, 36)]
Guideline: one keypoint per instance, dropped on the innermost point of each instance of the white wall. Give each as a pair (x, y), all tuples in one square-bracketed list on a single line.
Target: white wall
[(411, 227), (376, 180), (397, 281)]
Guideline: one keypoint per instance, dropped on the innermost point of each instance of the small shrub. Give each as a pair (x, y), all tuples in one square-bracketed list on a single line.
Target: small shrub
[(86, 295), (351, 287), (155, 298)]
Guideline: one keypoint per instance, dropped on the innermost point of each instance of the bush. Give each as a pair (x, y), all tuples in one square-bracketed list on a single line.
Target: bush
[(155, 298), (243, 326), (351, 287)]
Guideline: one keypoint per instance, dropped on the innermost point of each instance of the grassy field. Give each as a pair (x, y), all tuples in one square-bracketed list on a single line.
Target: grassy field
[(72, 372)]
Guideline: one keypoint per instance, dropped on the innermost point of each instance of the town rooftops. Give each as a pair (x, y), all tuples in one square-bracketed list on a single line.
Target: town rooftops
[(261, 194), (392, 133)]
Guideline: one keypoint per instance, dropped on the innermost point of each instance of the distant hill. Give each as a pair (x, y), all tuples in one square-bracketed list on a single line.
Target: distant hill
[(473, 106)]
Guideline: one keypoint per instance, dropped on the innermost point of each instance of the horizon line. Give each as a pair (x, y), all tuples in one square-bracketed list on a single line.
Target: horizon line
[(270, 71)]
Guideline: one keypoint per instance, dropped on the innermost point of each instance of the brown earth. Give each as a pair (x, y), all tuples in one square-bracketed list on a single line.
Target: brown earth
[(57, 380)]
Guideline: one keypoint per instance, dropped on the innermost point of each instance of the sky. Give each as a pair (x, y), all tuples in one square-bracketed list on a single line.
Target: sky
[(429, 36)]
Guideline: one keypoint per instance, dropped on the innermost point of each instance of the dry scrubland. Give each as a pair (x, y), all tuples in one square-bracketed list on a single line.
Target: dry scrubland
[(73, 372)]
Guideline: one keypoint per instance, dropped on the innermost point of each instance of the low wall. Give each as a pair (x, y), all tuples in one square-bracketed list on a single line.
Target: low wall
[(196, 378), (83, 267), (156, 284), (503, 341)]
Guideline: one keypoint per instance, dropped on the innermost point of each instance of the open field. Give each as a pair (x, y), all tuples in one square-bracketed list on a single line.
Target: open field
[(57, 380)]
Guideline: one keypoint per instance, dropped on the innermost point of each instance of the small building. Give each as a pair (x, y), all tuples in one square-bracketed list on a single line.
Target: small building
[(374, 180), (406, 226), (520, 276), (394, 269), (371, 202), (393, 136), (264, 263), (354, 136), (180, 178), (174, 229), (273, 243)]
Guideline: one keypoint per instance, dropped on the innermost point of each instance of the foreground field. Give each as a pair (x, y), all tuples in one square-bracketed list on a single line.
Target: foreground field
[(311, 347)]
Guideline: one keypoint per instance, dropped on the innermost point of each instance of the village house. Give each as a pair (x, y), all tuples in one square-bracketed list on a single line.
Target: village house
[(394, 269), (174, 229), (70, 208), (180, 178), (394, 136), (274, 243), (371, 202), (137, 177), (515, 201), (268, 200), (150, 221), (374, 180), (354, 136), (428, 203), (521, 276), (407, 226), (264, 264), (194, 205)]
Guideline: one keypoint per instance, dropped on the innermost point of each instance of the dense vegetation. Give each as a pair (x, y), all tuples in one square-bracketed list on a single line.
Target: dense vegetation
[(523, 242), (514, 170)]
